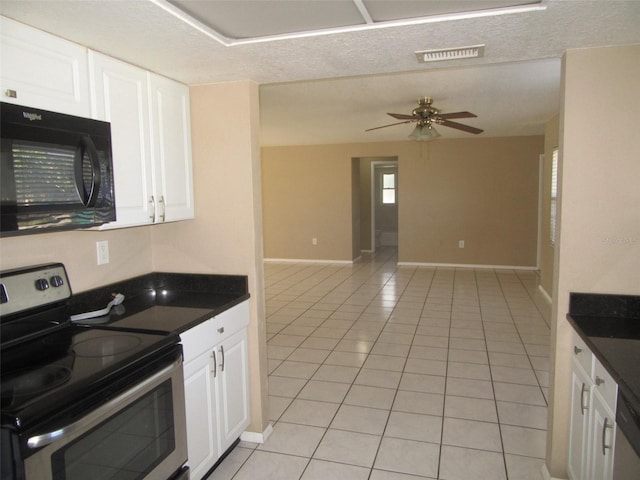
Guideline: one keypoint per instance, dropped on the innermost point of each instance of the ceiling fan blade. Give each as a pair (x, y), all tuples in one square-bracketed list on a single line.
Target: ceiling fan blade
[(447, 116), (390, 125), (402, 116), (460, 126)]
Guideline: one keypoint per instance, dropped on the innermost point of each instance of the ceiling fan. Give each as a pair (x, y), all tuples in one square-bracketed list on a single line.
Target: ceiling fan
[(426, 117)]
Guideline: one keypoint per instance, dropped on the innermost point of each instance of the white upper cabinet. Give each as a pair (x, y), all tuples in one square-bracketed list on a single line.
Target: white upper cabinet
[(119, 94), (151, 134), (171, 149), (43, 71)]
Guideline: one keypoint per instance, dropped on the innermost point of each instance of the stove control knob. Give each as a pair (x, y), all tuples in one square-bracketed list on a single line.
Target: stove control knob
[(56, 281), (42, 284)]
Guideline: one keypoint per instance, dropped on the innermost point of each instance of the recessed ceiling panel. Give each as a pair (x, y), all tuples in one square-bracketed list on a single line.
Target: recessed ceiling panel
[(242, 19), (389, 10)]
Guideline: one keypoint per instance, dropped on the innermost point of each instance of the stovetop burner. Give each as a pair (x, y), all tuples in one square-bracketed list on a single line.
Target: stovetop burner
[(108, 346), (28, 382)]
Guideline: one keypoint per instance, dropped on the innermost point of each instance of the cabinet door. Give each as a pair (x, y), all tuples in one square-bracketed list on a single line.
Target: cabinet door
[(200, 406), (580, 411), (120, 95), (233, 393), (171, 147), (44, 71), (602, 440)]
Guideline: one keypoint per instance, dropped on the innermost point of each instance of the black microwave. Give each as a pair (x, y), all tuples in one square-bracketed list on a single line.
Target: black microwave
[(56, 171)]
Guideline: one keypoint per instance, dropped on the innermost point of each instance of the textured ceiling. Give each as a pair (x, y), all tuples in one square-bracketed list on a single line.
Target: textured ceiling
[(330, 88)]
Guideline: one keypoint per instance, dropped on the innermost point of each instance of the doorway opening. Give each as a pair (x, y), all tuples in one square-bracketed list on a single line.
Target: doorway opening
[(384, 204)]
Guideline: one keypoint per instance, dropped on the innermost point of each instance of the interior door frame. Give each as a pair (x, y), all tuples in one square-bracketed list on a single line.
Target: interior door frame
[(374, 165)]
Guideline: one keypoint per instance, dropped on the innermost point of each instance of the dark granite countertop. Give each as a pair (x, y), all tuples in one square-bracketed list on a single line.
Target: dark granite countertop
[(610, 326), (163, 301)]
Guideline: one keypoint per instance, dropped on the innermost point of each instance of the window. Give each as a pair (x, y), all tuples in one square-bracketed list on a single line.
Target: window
[(389, 188), (554, 196)]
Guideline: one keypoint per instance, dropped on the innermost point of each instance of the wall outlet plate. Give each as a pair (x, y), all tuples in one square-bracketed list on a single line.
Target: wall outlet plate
[(460, 243), (102, 250)]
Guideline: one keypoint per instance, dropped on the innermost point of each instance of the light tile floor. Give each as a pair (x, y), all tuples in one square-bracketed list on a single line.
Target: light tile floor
[(383, 372)]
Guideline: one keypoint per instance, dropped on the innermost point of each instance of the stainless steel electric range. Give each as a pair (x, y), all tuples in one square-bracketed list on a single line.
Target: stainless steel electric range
[(83, 402)]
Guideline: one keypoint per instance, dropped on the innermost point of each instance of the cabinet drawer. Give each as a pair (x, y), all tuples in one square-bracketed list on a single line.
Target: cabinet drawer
[(582, 354), (605, 385), (231, 321), (198, 339)]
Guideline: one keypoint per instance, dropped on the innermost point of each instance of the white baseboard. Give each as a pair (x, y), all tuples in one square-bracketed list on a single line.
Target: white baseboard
[(546, 475), (305, 260), (464, 265), (544, 293), (257, 437)]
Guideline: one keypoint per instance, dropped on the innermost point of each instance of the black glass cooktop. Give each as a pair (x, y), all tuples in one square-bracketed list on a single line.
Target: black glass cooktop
[(43, 375)]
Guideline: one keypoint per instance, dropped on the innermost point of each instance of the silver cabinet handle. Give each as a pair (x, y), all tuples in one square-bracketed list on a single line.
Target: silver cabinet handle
[(163, 208), (222, 363), (215, 364), (604, 434), (152, 203), (44, 439), (599, 381), (583, 390), (221, 330), (11, 93), (576, 350)]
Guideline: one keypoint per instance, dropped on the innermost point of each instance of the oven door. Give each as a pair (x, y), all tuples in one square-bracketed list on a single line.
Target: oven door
[(140, 434)]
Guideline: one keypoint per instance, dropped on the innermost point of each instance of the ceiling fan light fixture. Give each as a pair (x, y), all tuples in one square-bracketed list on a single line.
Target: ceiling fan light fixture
[(474, 51), (424, 133)]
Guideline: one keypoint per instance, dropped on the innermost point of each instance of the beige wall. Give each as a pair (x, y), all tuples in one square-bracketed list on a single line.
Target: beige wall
[(481, 190), (305, 200), (547, 251), (129, 254), (599, 243), (226, 236)]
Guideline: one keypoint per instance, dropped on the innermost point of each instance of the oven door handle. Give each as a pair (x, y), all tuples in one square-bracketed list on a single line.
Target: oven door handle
[(38, 441)]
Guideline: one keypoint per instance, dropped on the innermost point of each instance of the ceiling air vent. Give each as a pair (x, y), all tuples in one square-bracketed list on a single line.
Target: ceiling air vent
[(450, 54)]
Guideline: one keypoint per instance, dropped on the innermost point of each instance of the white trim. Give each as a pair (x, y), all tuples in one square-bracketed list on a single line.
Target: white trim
[(357, 259), (307, 260), (546, 296), (464, 265), (257, 437), (366, 251), (231, 42)]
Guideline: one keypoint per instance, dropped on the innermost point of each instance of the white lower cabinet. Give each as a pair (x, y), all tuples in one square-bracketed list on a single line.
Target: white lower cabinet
[(202, 417), (593, 427), (216, 386)]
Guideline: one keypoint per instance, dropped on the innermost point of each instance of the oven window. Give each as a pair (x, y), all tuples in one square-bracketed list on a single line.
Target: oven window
[(127, 446)]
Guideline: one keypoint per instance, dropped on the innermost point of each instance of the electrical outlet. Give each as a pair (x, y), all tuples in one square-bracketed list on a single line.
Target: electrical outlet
[(314, 241), (460, 243), (102, 249)]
